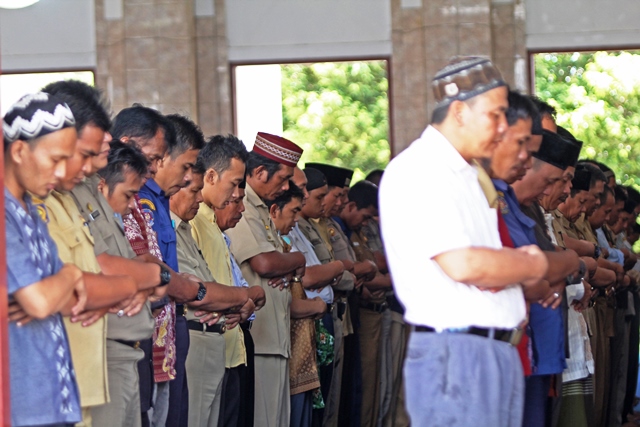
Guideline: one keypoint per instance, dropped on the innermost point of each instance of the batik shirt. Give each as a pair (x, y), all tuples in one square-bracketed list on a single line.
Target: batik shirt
[(43, 383)]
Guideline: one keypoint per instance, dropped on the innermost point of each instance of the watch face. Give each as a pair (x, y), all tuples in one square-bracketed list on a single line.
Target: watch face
[(166, 276)]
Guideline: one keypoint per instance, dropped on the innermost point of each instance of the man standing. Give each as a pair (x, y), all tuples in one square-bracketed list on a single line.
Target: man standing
[(173, 173), (39, 137), (258, 249), (464, 331), (205, 364)]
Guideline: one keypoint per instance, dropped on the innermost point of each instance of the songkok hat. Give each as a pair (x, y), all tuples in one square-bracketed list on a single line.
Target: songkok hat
[(557, 151), (315, 179), (465, 77), (581, 179), (277, 148), (36, 115), (569, 136), (336, 176)]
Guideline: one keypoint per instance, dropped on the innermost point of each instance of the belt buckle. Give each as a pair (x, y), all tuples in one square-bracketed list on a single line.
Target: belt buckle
[(136, 345), (516, 336), (223, 329)]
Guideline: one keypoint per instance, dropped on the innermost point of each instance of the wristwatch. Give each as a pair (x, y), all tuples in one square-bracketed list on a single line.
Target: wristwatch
[(165, 275), (596, 251), (202, 291), (572, 280)]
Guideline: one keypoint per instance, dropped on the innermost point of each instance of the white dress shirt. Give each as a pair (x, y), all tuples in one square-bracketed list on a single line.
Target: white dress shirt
[(431, 203)]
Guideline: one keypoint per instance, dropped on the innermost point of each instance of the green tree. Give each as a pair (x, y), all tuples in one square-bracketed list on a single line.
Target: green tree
[(338, 112), (597, 96)]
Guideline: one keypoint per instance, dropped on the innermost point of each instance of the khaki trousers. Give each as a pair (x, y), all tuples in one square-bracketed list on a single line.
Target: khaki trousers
[(124, 390), (205, 371), (370, 334), (273, 395), (332, 405), (397, 415)]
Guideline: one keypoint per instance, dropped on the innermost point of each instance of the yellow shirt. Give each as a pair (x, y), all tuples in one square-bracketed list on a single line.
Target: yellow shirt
[(255, 234), (88, 344), (201, 237)]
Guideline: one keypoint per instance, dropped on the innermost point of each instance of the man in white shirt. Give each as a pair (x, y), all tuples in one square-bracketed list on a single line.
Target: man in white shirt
[(459, 286)]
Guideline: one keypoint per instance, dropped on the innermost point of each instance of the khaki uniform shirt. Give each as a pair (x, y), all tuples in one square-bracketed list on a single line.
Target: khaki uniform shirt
[(339, 242), (363, 253), (370, 233), (322, 227), (584, 227), (109, 238), (88, 344), (255, 234), (206, 237), (324, 254)]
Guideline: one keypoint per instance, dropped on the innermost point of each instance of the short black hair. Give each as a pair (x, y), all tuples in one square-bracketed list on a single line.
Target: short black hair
[(198, 167), (544, 108), (632, 193), (364, 194), (520, 108), (188, 135), (439, 114), (219, 150), (620, 193), (630, 206), (122, 158), (255, 160), (596, 173), (375, 176), (294, 192), (87, 103), (137, 121)]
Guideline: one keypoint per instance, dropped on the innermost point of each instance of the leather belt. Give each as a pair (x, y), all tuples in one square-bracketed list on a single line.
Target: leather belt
[(180, 310), (194, 325), (511, 336), (378, 308), (133, 344)]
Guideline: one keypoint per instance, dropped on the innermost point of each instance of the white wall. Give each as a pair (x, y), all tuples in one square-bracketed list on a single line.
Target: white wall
[(572, 24), (52, 34), (264, 30)]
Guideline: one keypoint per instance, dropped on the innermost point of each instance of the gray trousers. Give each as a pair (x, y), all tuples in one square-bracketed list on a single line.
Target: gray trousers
[(463, 380), (124, 407)]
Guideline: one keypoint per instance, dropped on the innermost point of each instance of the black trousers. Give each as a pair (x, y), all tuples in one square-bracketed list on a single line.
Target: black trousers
[(247, 382)]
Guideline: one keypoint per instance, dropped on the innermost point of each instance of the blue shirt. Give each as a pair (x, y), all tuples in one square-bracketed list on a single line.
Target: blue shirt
[(238, 279), (546, 325), (43, 383), (615, 255), (155, 208), (343, 226)]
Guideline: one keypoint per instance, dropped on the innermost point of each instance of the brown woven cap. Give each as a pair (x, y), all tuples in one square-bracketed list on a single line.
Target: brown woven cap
[(465, 77)]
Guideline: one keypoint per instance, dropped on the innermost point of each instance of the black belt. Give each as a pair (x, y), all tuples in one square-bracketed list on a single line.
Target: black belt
[(511, 336), (194, 325), (133, 344), (378, 308), (180, 310)]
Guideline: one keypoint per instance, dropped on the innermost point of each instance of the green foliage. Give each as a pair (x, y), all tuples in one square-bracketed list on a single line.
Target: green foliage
[(597, 96), (338, 112)]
